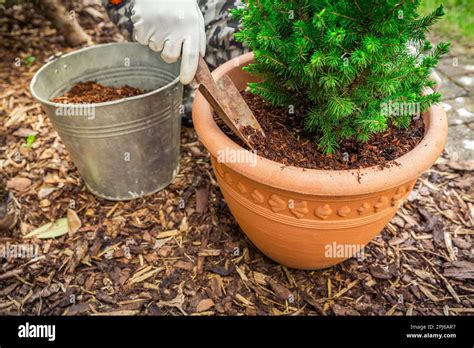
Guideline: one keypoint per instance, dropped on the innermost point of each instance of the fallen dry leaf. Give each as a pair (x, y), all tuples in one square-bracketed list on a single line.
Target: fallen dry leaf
[(73, 222), (45, 191), (50, 230), (18, 184)]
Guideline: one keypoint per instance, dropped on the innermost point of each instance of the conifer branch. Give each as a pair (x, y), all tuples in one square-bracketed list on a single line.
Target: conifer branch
[(337, 67)]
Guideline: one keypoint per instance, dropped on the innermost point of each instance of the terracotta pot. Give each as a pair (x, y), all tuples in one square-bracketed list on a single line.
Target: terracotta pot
[(306, 218)]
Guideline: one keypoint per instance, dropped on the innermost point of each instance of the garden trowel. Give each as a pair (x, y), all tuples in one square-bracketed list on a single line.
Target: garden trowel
[(227, 102)]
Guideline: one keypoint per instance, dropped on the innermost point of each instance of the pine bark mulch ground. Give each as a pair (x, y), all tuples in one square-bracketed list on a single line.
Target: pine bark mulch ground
[(180, 252)]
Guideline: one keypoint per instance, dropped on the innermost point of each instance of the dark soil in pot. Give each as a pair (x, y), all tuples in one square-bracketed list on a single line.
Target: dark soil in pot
[(288, 143), (92, 92)]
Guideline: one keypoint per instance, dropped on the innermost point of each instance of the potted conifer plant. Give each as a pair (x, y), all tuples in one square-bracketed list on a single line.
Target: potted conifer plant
[(338, 87)]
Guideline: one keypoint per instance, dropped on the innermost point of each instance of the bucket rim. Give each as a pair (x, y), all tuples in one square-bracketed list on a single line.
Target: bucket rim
[(108, 103)]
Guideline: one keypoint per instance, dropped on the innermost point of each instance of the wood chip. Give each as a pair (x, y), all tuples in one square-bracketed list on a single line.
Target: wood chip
[(346, 289), (243, 300), (209, 252), (167, 234), (462, 270), (428, 293), (184, 265), (282, 292), (379, 272), (204, 305)]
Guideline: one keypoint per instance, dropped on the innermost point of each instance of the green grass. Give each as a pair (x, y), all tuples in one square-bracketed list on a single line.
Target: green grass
[(458, 24)]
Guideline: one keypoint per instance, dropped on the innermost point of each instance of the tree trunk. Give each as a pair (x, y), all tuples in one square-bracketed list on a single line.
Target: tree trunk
[(66, 24)]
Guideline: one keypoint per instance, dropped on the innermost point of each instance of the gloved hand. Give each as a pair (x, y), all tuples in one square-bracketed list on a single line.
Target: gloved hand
[(173, 27)]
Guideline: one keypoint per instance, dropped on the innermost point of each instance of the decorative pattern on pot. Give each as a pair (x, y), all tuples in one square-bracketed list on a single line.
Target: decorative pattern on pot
[(398, 197), (257, 197), (363, 208), (324, 210), (298, 209), (381, 204), (277, 204), (344, 211), (241, 187)]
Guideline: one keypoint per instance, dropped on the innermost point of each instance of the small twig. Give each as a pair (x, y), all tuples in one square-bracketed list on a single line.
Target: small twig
[(446, 282), (15, 272), (10, 274)]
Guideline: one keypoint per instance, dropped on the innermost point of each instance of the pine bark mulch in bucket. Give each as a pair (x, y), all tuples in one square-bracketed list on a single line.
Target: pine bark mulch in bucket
[(287, 142), (93, 92)]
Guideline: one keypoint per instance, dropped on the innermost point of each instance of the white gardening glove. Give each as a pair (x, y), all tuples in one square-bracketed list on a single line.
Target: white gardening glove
[(173, 27)]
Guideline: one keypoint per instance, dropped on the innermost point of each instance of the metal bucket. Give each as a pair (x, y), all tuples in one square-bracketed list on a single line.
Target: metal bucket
[(123, 149)]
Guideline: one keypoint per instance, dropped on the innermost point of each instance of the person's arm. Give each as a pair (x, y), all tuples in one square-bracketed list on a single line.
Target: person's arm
[(119, 12)]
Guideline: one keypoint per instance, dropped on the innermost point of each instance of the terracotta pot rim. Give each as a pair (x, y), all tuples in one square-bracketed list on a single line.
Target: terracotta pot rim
[(315, 181)]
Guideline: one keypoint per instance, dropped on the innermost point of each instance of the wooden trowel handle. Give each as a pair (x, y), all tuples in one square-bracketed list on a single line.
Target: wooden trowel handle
[(204, 76)]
